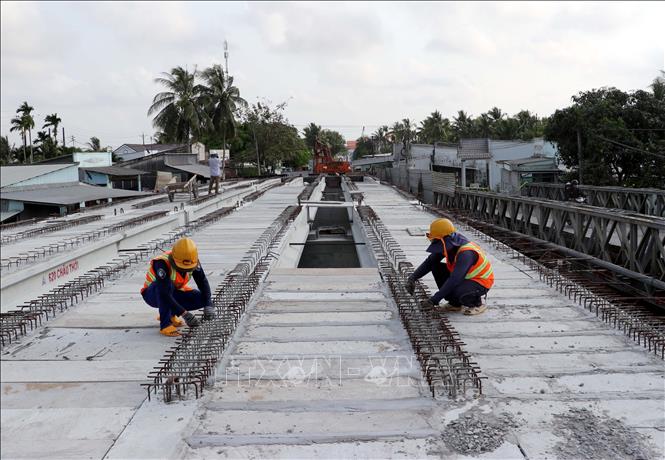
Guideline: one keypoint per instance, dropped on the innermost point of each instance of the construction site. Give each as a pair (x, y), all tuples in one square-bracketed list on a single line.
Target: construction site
[(318, 348)]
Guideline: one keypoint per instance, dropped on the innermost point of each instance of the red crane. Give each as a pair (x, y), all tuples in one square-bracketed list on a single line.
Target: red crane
[(324, 162)]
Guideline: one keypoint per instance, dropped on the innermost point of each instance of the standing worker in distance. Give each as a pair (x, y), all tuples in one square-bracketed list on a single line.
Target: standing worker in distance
[(463, 278), (166, 287), (214, 163)]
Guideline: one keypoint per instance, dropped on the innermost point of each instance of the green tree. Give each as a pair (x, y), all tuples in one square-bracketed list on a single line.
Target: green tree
[(271, 138), (463, 125), (25, 110), (180, 110), (364, 147), (222, 100), (621, 135), (381, 139), (94, 144), (311, 133), (434, 128), (7, 152), (18, 124), (334, 140), (52, 122)]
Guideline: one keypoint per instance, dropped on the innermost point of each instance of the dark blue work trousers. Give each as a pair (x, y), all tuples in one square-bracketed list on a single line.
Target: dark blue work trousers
[(468, 293), (159, 297)]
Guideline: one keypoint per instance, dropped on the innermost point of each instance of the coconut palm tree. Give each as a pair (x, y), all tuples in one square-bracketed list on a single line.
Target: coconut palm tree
[(380, 138), (433, 128), (222, 100), (179, 111), (28, 123), (311, 133), (94, 144), (52, 121), (17, 125)]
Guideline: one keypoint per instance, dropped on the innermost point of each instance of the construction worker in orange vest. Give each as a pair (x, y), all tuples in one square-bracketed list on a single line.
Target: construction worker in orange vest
[(166, 287), (461, 270)]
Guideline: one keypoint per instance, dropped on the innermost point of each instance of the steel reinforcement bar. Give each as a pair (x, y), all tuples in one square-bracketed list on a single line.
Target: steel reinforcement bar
[(580, 278), (192, 360), (42, 252), (641, 200), (15, 323), (594, 288), (447, 367), (49, 227), (31, 314)]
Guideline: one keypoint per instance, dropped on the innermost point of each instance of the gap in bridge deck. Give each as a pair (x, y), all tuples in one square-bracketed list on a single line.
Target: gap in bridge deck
[(330, 243)]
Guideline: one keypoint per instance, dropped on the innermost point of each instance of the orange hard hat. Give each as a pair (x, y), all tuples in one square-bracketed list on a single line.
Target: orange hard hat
[(185, 254), (440, 228)]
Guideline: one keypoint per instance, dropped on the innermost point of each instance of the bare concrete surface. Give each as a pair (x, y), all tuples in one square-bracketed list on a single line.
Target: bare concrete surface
[(71, 388), (321, 367)]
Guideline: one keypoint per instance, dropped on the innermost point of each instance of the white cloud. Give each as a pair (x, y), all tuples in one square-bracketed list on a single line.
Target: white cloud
[(345, 64)]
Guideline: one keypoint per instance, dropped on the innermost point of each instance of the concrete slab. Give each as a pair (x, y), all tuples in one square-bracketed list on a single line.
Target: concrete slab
[(388, 369), (304, 306), (71, 395), (336, 347), (311, 333), (331, 393), (232, 427), (92, 345), (314, 318), (75, 371)]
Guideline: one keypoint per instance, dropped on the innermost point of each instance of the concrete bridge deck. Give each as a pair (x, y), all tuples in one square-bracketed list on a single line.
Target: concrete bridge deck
[(320, 366)]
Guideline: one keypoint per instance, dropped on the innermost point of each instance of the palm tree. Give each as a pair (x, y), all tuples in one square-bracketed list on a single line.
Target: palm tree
[(6, 151), (434, 128), (223, 100), (17, 125), (311, 133), (52, 121), (463, 124), (495, 113), (485, 125), (658, 87), (380, 138), (28, 123), (94, 144), (179, 111)]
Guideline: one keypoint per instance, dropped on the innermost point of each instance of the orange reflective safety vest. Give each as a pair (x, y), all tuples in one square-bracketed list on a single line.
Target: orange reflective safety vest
[(179, 281), (481, 272)]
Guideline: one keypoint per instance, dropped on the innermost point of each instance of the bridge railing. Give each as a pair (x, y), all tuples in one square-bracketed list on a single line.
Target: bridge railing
[(649, 201), (633, 241)]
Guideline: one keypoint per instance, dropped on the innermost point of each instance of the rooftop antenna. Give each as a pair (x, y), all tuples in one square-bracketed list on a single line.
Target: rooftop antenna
[(226, 57)]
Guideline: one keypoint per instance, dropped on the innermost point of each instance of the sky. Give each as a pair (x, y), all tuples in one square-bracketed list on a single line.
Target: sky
[(342, 65)]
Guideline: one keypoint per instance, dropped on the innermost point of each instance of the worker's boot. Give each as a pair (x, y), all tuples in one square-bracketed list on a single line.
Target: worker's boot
[(475, 310), (451, 308), (170, 331), (175, 321)]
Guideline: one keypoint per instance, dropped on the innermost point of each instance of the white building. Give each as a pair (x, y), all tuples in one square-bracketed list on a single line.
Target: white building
[(132, 151)]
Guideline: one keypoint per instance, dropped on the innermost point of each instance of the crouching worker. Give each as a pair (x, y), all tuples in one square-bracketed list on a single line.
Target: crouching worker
[(462, 278), (166, 287)]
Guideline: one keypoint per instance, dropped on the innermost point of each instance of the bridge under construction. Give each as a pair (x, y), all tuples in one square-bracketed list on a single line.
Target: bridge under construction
[(318, 349)]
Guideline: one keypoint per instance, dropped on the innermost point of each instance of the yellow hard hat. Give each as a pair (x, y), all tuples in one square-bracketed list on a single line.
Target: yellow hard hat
[(439, 228), (184, 254)]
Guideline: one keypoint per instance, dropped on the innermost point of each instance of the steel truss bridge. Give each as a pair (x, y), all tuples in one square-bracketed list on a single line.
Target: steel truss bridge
[(629, 244), (648, 201)]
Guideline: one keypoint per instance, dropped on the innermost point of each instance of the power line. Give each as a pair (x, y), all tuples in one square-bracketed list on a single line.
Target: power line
[(655, 154)]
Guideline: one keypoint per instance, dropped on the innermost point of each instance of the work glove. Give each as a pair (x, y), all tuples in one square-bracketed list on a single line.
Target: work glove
[(190, 319), (208, 313), (410, 285), (426, 304)]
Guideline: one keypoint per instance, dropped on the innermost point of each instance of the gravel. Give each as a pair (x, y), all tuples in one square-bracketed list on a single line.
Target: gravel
[(476, 432), (588, 436)]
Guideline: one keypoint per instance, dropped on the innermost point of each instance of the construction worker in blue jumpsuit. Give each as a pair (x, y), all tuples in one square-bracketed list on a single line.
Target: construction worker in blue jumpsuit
[(460, 268), (166, 288)]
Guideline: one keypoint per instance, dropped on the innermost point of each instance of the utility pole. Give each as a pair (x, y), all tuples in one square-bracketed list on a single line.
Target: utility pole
[(63, 137), (579, 152), (226, 57), (73, 141)]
